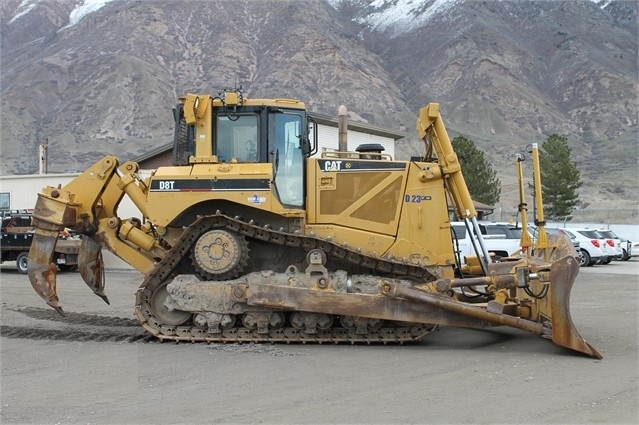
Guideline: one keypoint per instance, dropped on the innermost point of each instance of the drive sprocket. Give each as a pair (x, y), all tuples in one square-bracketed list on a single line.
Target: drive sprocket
[(220, 254)]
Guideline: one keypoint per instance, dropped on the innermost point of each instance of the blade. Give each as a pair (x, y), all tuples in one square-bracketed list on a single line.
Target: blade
[(562, 275), (92, 267), (42, 272)]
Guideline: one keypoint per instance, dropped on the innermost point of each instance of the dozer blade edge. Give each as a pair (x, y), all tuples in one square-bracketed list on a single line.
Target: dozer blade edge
[(562, 330), (563, 273)]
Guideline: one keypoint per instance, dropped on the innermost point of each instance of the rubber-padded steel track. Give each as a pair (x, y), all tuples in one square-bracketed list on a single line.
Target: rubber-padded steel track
[(165, 270)]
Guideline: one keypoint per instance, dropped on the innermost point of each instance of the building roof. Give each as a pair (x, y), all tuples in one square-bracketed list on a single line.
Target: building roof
[(483, 207), (160, 150)]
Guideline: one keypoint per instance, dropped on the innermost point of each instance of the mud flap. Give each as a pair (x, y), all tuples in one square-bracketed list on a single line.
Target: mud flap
[(41, 270), (562, 275), (91, 266)]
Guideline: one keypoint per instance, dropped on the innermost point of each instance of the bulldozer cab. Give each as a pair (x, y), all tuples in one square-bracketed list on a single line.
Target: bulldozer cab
[(232, 130)]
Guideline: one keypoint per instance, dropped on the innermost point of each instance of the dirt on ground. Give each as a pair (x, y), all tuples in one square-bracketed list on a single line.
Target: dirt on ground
[(97, 366)]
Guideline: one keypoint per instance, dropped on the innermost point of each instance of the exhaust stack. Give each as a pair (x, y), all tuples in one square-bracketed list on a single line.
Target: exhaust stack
[(342, 127)]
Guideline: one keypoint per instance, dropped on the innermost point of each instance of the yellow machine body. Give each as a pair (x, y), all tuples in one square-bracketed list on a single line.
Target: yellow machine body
[(252, 235)]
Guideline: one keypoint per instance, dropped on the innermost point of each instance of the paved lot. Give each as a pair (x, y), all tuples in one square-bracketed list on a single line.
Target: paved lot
[(96, 366)]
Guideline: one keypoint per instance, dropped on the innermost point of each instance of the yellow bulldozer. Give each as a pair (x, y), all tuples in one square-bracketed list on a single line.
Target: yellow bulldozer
[(252, 235)]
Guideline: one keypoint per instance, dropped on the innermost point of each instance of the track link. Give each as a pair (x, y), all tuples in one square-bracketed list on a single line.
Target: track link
[(165, 270)]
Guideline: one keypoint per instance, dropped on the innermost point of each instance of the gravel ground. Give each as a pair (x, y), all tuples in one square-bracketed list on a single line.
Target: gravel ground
[(96, 366)]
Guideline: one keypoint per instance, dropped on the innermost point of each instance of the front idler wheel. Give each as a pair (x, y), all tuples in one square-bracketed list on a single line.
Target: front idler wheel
[(161, 312)]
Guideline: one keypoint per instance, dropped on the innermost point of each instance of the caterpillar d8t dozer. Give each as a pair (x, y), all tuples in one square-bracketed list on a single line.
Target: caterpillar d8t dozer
[(252, 235)]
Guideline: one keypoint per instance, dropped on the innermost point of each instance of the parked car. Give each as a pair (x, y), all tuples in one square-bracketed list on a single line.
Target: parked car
[(613, 239), (590, 249), (508, 231), (573, 239), (595, 248), (608, 246), (626, 247), (498, 245)]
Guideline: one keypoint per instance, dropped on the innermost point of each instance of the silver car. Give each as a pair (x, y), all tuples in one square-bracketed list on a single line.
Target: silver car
[(616, 241)]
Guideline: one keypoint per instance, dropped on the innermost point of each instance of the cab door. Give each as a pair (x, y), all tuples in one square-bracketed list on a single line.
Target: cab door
[(286, 132)]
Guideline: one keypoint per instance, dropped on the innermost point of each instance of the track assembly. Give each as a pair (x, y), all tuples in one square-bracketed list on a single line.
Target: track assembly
[(216, 244)]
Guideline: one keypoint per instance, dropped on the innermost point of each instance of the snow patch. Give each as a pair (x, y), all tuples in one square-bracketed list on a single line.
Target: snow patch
[(84, 8), (602, 3), (399, 16), (25, 7), (406, 14)]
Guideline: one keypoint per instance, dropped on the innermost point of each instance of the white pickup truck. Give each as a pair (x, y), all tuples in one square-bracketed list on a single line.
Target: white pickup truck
[(500, 245)]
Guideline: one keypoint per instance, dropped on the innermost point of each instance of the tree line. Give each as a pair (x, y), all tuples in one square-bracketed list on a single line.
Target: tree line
[(560, 177)]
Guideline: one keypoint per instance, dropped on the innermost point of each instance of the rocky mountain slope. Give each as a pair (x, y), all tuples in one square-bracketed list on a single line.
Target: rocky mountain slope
[(101, 76)]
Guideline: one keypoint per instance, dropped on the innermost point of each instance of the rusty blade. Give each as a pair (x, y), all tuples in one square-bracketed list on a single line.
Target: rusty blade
[(562, 276), (563, 247), (42, 272), (92, 267)]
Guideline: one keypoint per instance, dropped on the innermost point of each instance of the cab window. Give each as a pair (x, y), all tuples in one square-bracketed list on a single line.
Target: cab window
[(237, 137)]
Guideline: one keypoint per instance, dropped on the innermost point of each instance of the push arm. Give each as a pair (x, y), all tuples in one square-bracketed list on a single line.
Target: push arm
[(431, 129)]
